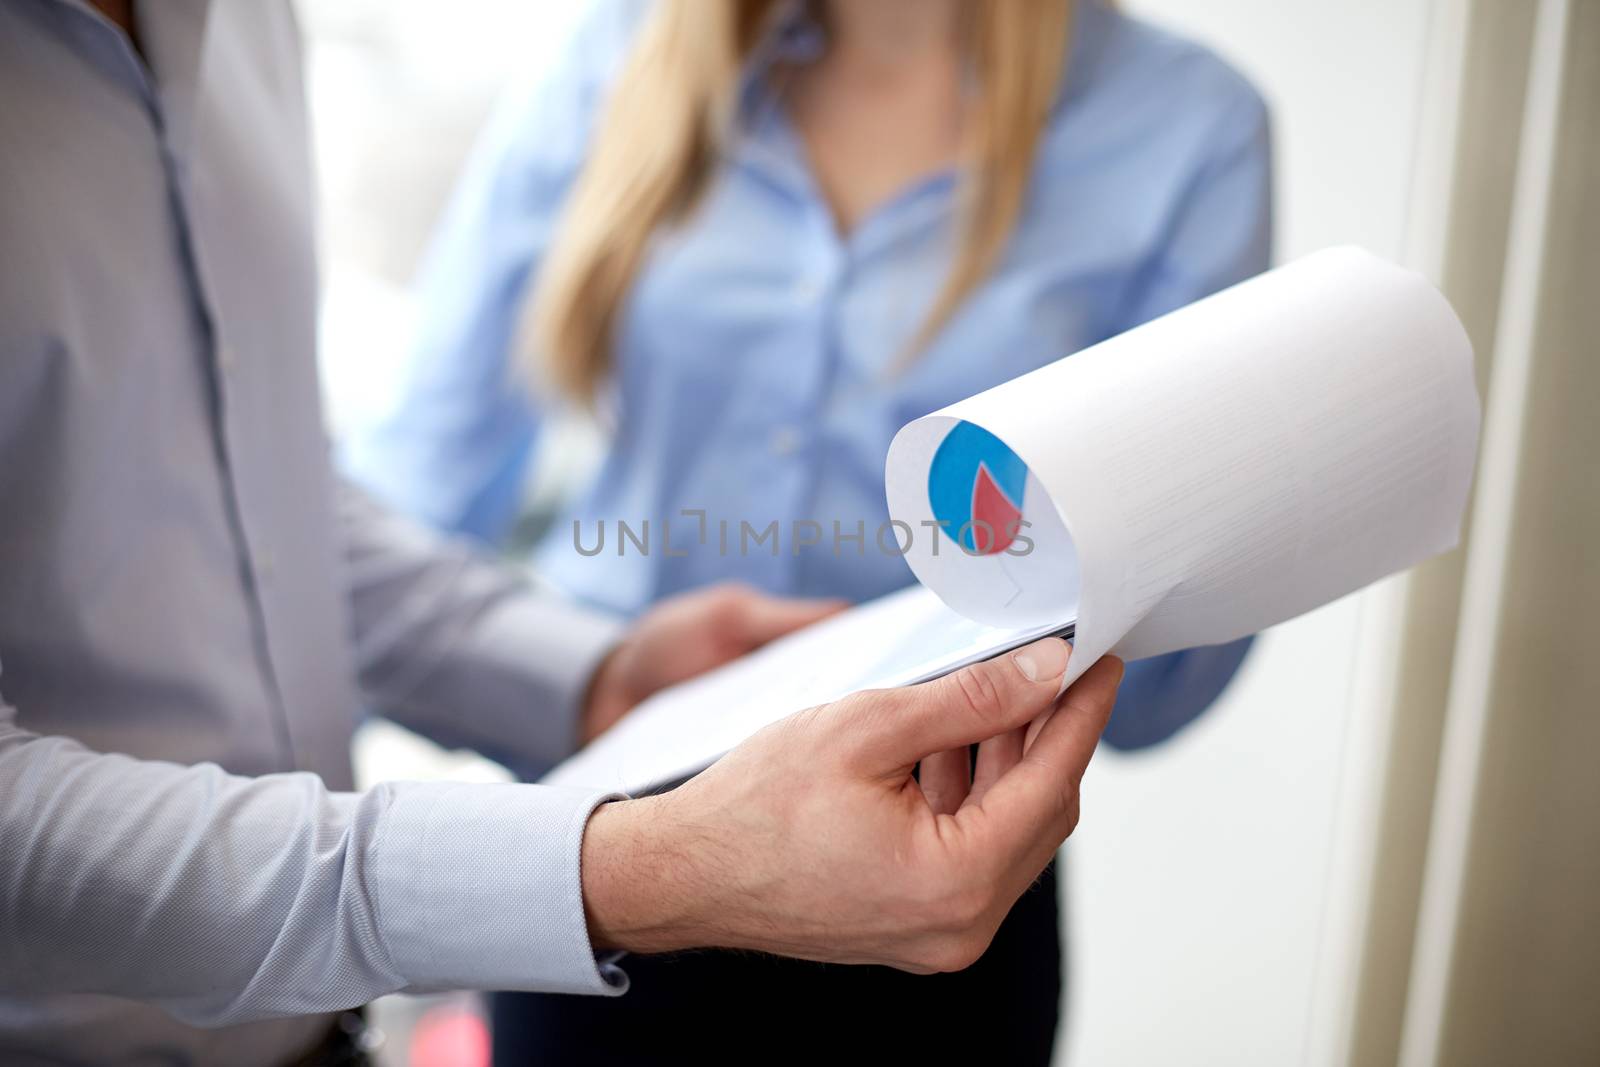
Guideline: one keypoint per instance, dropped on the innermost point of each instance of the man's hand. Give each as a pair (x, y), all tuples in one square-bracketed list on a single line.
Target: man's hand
[(814, 839), (685, 636)]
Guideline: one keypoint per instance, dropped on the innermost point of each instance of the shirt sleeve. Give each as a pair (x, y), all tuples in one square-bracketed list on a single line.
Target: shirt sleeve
[(225, 899), (1219, 233), (464, 649), (454, 446)]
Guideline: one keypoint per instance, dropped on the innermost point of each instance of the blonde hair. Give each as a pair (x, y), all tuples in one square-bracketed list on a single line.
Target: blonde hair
[(663, 126)]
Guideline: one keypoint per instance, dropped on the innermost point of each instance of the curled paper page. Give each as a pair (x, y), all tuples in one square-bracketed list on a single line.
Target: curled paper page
[(1204, 476)]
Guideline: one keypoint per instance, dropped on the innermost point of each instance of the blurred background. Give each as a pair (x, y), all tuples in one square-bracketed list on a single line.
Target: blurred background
[(1383, 844)]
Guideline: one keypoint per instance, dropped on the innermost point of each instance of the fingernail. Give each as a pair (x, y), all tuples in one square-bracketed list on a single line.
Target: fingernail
[(1042, 659)]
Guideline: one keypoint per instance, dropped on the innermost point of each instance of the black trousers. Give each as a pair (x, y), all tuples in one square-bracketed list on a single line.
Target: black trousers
[(727, 1008)]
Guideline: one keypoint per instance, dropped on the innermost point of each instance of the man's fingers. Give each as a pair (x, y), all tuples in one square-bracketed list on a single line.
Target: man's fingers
[(996, 756), (1033, 801), (963, 708), (758, 619), (1074, 728), (1034, 727), (946, 778)]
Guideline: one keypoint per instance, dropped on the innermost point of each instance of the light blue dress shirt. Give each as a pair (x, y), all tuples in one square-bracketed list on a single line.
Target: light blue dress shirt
[(193, 609), (755, 357)]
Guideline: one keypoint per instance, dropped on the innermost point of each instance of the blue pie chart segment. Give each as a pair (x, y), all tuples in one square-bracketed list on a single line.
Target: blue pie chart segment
[(976, 487)]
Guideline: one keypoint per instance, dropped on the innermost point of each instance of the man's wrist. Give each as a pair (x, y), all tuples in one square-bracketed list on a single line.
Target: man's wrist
[(641, 889)]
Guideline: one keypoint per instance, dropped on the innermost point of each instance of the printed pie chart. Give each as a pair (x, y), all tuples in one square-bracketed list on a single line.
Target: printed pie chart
[(976, 490)]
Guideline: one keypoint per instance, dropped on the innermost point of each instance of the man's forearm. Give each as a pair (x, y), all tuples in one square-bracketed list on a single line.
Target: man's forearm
[(663, 874), (638, 897)]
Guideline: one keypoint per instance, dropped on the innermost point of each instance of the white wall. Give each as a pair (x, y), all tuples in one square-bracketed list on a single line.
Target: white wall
[(1199, 879)]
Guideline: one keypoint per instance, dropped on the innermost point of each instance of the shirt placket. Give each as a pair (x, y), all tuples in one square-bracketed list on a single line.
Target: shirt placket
[(798, 395), (783, 415), (221, 366)]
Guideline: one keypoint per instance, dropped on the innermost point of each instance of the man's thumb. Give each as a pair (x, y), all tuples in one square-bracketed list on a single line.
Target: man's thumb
[(968, 706)]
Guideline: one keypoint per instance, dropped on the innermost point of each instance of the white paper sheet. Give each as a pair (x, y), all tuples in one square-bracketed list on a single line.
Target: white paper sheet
[(900, 639), (1205, 476), (1225, 467)]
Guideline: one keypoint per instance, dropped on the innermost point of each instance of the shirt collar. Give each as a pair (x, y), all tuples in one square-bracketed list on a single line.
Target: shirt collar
[(794, 36), (171, 35), (1091, 24)]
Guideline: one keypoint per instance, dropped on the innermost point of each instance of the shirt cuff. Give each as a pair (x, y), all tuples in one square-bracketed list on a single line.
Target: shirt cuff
[(480, 887)]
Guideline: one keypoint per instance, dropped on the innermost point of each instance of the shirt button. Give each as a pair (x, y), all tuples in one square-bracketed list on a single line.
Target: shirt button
[(225, 359), (265, 564), (784, 441), (807, 290)]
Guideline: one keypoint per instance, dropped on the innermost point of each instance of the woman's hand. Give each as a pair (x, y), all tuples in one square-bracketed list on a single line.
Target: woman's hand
[(689, 635)]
